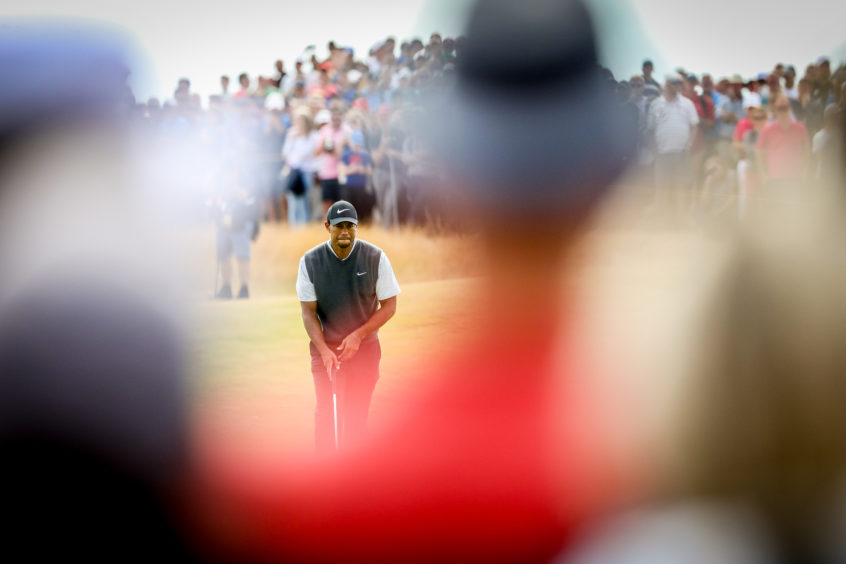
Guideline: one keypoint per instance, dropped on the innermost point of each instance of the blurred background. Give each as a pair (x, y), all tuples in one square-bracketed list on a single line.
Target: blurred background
[(148, 154)]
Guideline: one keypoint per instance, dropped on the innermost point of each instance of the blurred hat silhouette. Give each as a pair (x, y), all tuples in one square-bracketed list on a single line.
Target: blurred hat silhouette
[(529, 118), (55, 73)]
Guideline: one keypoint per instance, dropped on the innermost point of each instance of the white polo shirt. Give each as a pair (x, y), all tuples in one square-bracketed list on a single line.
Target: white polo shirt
[(670, 122)]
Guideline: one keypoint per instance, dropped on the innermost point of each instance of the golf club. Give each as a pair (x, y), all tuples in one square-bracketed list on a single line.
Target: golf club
[(333, 374)]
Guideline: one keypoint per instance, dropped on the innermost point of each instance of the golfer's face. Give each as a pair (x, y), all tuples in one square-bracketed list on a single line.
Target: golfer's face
[(342, 234)]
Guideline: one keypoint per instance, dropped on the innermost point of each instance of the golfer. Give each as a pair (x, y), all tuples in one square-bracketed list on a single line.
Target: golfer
[(347, 291)]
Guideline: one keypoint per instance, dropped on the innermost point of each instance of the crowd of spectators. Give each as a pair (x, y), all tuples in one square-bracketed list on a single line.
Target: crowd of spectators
[(505, 460), (299, 140), (712, 144)]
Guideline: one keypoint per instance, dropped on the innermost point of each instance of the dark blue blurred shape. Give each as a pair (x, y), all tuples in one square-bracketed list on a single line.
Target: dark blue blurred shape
[(530, 123), (54, 72)]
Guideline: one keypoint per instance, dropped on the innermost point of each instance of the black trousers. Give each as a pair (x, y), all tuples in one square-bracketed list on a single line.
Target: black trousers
[(355, 382)]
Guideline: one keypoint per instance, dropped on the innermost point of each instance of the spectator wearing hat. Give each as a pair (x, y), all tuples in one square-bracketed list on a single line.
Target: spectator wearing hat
[(744, 125), (673, 125), (374, 59)]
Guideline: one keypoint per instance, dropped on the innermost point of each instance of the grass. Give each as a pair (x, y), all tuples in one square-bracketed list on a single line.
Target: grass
[(252, 376), (630, 287)]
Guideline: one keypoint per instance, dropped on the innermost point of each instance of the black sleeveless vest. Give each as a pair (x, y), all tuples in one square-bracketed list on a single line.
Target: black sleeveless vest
[(345, 289)]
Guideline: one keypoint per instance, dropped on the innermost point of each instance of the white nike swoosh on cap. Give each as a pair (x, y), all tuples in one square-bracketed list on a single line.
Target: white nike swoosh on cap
[(343, 210)]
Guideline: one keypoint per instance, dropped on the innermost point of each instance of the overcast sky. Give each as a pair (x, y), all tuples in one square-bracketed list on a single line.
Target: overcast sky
[(202, 40)]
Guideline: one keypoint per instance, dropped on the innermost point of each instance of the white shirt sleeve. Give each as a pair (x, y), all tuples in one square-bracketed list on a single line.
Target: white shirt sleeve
[(386, 285), (305, 287)]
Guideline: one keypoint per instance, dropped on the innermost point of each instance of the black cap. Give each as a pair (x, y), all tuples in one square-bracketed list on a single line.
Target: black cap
[(340, 212)]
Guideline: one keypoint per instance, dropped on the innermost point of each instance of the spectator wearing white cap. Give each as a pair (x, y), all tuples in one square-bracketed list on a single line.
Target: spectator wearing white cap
[(374, 62), (728, 112), (672, 123)]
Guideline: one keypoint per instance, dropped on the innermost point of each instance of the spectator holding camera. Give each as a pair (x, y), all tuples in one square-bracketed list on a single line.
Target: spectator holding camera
[(330, 143)]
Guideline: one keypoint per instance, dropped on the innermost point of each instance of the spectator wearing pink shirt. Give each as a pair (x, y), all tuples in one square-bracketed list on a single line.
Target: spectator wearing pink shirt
[(330, 142), (783, 151)]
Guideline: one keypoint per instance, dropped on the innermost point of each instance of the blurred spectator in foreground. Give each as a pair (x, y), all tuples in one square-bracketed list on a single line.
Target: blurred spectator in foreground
[(756, 461), (94, 453), (507, 456)]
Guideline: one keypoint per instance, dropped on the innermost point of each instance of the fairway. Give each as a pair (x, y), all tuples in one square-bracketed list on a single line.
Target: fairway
[(629, 289), (252, 381)]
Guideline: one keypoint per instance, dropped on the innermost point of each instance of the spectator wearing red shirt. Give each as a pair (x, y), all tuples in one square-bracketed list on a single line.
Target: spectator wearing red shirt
[(743, 126), (783, 151), (244, 92)]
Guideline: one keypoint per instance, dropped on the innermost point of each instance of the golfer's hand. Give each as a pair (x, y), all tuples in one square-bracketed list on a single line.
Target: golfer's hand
[(349, 346), (330, 361)]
